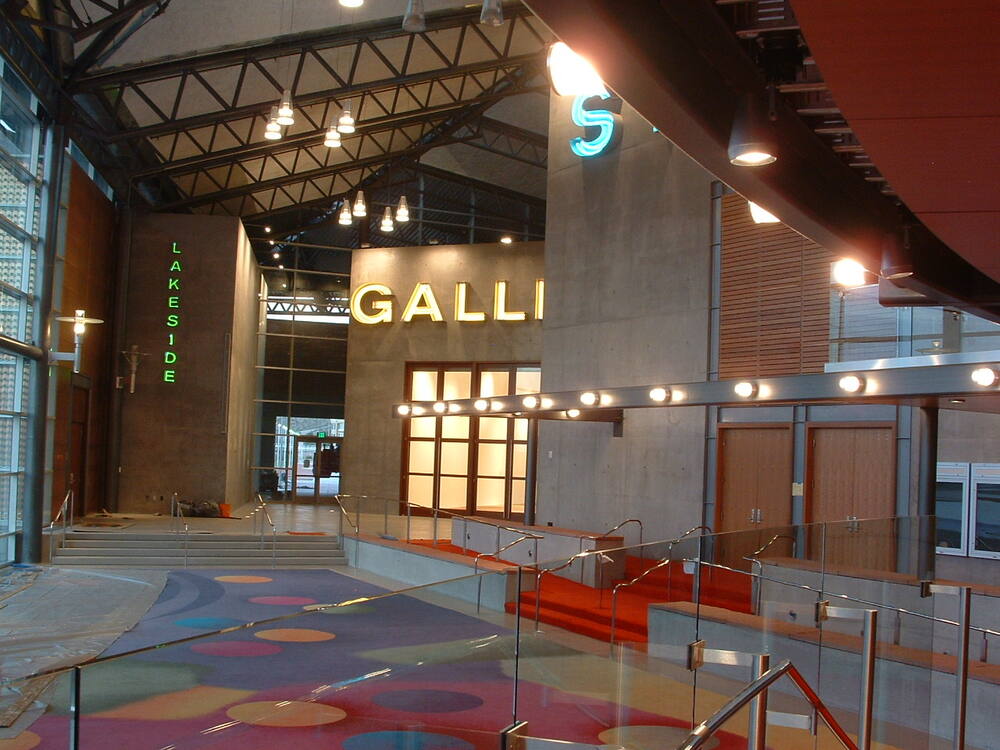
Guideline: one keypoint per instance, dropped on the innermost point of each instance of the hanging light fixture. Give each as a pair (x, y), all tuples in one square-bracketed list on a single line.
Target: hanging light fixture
[(272, 131), (572, 74), (761, 215), (345, 214), (360, 209), (751, 140), (332, 139), (492, 14), (286, 115), (345, 124), (387, 220), (402, 210), (414, 21)]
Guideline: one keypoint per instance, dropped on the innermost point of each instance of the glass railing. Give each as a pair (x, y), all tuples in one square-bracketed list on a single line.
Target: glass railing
[(631, 648)]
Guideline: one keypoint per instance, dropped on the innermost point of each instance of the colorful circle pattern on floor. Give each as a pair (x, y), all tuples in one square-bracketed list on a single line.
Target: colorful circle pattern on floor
[(649, 737), (408, 740), (286, 714), (23, 741), (295, 635), (282, 600), (428, 701), (236, 649), (243, 579), (209, 623)]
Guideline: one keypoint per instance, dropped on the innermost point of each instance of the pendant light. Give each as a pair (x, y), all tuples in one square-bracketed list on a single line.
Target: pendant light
[(360, 209), (345, 124), (286, 115), (492, 14), (402, 210), (332, 139), (272, 131), (414, 21), (752, 141), (345, 214), (387, 220)]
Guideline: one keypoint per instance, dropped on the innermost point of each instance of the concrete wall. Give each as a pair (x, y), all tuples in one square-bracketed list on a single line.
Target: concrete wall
[(377, 354), (242, 373), (627, 262), (174, 434)]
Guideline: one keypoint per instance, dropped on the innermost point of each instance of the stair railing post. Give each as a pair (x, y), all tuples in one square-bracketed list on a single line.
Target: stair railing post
[(962, 672), (757, 735), (517, 639), (868, 680), (74, 709), (409, 518)]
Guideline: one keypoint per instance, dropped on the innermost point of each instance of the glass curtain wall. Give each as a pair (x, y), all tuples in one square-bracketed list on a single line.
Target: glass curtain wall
[(467, 464), (301, 365), (20, 225)]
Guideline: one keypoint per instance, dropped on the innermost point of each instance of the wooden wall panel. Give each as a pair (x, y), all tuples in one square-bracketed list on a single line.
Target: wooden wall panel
[(89, 270), (775, 298)]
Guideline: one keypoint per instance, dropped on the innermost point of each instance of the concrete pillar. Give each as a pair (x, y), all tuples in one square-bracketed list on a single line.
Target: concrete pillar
[(530, 473), (926, 483)]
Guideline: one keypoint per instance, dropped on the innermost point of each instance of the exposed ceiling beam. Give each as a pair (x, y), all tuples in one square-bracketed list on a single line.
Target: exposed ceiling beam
[(679, 65)]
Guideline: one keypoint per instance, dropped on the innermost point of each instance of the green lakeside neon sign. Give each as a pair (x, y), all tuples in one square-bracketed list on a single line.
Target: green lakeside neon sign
[(173, 319)]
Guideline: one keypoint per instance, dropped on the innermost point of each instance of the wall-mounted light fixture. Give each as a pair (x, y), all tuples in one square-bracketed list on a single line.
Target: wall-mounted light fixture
[(588, 399), (984, 376), (572, 74), (852, 383), (80, 322), (745, 389), (849, 273), (530, 402), (659, 393), (761, 215)]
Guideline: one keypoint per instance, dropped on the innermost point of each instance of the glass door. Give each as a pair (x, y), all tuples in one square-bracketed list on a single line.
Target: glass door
[(316, 470)]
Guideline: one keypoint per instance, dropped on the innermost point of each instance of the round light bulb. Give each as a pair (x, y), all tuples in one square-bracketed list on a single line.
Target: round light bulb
[(453, 408), (984, 376), (439, 407), (403, 410), (606, 399), (530, 402), (79, 328), (572, 413), (547, 403), (507, 239), (851, 383), (744, 389), (496, 405), (588, 398), (848, 273), (418, 410), (658, 394), (481, 404), (676, 395)]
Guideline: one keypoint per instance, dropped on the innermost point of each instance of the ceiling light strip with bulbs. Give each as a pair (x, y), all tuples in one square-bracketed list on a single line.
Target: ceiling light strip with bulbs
[(908, 385)]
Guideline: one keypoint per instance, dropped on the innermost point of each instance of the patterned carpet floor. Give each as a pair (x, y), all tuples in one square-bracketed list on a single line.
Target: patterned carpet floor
[(395, 673)]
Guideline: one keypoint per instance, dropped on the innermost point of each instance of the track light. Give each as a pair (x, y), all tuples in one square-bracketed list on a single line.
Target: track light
[(659, 394), (481, 404), (492, 14), (852, 383), (984, 376), (744, 389), (849, 273), (345, 123), (345, 214), (530, 402), (761, 215), (332, 139), (752, 141), (286, 115), (402, 210), (413, 20), (386, 225), (588, 399), (403, 410), (360, 209), (572, 74)]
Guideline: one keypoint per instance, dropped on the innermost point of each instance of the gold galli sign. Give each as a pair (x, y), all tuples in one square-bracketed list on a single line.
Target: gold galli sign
[(373, 304)]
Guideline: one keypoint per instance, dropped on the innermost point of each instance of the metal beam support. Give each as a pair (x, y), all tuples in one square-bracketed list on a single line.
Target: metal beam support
[(927, 489)]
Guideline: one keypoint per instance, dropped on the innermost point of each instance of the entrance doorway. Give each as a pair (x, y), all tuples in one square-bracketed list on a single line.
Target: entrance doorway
[(754, 489), (316, 468)]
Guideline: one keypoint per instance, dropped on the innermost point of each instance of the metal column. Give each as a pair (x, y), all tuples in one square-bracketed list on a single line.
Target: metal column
[(530, 475), (34, 498), (926, 485)]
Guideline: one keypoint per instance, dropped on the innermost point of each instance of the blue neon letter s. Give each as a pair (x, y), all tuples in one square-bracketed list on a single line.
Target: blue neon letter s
[(607, 122)]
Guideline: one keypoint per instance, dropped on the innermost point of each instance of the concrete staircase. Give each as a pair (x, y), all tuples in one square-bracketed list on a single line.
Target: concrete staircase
[(167, 550)]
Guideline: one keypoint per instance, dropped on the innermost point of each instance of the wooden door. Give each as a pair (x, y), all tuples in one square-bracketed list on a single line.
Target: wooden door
[(851, 476), (753, 489)]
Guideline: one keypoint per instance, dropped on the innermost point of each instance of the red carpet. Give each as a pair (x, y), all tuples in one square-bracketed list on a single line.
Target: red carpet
[(585, 610)]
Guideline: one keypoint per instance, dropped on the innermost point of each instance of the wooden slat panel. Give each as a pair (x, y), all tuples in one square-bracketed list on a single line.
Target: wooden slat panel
[(775, 297)]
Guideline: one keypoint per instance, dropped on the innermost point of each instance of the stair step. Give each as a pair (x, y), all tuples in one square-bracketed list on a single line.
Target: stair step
[(625, 620), (199, 562), (136, 552), (194, 543), (168, 536), (587, 626)]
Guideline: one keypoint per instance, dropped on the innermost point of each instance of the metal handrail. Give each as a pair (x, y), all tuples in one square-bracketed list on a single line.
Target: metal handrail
[(626, 521), (68, 502), (540, 574), (754, 559), (506, 547), (266, 516), (665, 561), (62, 509), (704, 731), (345, 514)]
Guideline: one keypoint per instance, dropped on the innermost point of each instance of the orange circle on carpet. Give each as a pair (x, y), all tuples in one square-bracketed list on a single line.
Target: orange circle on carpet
[(285, 714), (295, 635), (243, 579), (23, 741)]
